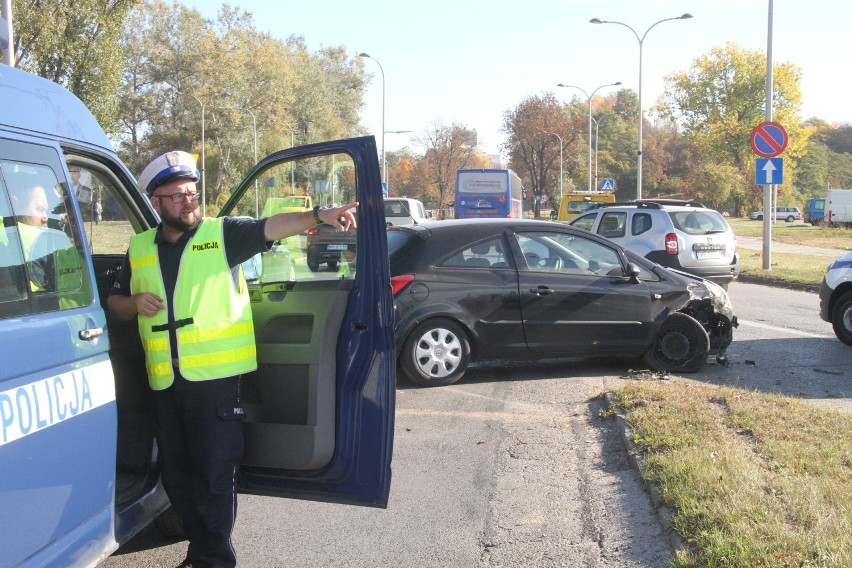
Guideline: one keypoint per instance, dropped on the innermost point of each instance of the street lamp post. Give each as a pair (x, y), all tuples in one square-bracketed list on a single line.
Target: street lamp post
[(560, 162), (292, 173), (589, 98), (641, 41), (384, 164), (597, 124), (203, 165), (254, 129), (384, 161)]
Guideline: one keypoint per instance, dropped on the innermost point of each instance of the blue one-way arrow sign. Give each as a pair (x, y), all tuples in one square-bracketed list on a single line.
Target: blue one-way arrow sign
[(769, 171)]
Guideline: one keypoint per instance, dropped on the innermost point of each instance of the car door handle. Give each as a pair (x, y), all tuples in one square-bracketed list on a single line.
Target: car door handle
[(90, 334), (541, 291)]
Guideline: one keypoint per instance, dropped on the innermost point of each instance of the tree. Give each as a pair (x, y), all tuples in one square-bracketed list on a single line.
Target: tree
[(721, 98), (618, 140), (76, 44), (447, 149), (182, 69), (534, 150)]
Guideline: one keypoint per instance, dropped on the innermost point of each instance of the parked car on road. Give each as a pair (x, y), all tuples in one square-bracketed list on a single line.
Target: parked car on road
[(674, 233), (508, 289), (781, 213), (835, 297), (331, 246)]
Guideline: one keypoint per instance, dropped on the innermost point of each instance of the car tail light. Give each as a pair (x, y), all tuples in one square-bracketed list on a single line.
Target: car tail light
[(314, 231), (400, 282), (671, 243)]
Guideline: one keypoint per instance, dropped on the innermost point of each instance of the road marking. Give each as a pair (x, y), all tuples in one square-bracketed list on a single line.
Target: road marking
[(784, 329)]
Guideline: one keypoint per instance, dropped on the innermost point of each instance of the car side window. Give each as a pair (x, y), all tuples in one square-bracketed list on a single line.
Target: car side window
[(568, 254), (641, 223), (612, 224), (585, 222), (42, 263), (486, 254)]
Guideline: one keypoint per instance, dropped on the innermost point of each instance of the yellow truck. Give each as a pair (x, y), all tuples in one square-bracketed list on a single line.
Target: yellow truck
[(575, 202), (286, 204)]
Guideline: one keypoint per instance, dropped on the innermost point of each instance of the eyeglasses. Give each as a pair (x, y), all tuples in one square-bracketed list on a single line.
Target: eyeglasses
[(180, 197)]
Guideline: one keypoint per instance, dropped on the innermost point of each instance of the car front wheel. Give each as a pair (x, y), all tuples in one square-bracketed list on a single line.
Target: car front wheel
[(790, 219), (681, 345), (436, 353), (841, 318)]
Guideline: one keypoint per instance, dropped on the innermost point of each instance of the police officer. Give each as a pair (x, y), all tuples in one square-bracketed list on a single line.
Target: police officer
[(183, 281)]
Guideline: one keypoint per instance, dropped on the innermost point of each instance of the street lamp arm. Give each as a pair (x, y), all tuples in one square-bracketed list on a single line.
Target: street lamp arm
[(681, 17), (597, 21), (581, 89)]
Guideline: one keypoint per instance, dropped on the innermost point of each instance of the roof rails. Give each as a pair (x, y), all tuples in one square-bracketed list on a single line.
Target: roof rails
[(650, 204)]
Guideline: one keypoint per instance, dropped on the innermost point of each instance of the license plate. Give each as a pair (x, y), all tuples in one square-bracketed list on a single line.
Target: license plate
[(708, 254), (336, 247)]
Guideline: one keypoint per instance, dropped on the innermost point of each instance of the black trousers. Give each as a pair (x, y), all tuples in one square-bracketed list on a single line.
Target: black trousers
[(200, 442)]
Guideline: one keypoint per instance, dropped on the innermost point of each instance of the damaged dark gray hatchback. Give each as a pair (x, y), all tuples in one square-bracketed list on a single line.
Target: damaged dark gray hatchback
[(504, 289)]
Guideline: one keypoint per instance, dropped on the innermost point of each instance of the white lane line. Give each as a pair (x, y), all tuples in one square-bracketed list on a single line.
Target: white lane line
[(784, 329)]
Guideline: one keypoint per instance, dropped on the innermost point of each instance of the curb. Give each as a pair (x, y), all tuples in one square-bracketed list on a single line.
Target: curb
[(637, 461)]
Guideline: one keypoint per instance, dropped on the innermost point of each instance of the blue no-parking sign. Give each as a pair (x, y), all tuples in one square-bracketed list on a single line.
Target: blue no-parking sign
[(768, 139)]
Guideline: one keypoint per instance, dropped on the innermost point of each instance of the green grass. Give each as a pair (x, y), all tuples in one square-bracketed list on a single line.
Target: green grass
[(752, 479), (797, 233), (792, 269)]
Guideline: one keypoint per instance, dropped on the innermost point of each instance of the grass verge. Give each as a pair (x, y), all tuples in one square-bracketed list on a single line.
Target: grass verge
[(820, 236), (753, 479), (793, 269)]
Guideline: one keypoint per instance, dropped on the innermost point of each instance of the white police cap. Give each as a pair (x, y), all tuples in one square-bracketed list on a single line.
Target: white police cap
[(165, 168)]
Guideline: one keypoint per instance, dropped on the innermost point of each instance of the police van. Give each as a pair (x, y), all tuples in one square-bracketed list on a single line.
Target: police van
[(79, 472)]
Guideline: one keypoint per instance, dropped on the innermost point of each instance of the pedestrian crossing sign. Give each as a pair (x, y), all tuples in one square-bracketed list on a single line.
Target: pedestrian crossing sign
[(608, 184)]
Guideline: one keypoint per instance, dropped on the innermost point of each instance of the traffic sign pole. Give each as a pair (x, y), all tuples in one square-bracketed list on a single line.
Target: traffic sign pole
[(768, 139)]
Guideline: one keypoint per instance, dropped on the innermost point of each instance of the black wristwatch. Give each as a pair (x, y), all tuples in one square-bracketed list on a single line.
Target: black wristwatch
[(317, 210)]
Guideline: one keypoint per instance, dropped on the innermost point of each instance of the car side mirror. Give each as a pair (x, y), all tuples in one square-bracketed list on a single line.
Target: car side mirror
[(633, 273)]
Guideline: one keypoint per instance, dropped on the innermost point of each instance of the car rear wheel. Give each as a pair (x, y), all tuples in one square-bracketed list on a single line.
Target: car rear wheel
[(313, 264), (436, 353), (681, 345), (841, 318)]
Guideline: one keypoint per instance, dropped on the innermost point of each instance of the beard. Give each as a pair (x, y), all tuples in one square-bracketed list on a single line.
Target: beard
[(176, 222)]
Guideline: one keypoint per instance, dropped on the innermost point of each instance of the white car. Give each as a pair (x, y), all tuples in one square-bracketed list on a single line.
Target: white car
[(781, 213), (835, 297)]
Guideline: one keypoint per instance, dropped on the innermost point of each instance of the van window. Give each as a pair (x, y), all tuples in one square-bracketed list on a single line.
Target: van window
[(41, 261), (106, 221)]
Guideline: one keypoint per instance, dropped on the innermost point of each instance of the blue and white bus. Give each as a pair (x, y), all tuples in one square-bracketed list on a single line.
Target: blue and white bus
[(488, 193)]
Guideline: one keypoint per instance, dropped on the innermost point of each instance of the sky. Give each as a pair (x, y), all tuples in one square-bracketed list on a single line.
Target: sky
[(471, 61)]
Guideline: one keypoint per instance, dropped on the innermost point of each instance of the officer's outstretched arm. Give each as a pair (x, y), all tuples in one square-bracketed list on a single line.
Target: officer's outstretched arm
[(285, 225)]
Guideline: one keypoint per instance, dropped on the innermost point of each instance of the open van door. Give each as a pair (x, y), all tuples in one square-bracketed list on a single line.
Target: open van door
[(320, 408)]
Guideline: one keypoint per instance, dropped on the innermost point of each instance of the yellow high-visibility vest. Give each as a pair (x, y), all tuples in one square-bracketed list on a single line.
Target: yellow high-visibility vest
[(213, 321)]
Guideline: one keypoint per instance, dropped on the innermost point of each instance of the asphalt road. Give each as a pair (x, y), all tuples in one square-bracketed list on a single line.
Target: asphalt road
[(514, 466)]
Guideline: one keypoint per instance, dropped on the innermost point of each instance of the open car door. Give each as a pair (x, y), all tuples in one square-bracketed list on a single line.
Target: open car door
[(320, 408)]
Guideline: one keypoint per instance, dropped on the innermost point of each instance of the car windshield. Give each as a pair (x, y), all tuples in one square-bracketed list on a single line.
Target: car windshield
[(699, 222)]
